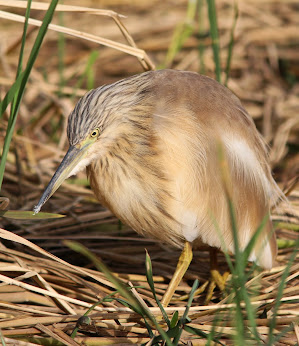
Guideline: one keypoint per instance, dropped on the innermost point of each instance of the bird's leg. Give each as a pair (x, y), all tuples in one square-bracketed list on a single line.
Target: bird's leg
[(216, 278), (182, 266)]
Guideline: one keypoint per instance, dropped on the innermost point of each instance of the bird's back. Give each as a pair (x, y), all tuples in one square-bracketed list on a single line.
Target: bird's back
[(176, 191)]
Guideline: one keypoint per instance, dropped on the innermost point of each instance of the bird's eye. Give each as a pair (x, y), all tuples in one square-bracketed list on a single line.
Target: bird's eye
[(95, 133)]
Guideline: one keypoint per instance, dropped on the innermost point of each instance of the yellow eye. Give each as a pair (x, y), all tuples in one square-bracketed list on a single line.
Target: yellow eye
[(95, 133)]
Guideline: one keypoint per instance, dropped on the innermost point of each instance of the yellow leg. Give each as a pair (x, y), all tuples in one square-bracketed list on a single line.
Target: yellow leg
[(216, 278), (220, 280), (182, 266), (210, 292)]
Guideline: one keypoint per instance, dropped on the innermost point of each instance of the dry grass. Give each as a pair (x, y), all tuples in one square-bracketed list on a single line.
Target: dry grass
[(43, 296)]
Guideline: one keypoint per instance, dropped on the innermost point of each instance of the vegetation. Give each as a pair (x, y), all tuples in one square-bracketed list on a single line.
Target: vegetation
[(68, 295)]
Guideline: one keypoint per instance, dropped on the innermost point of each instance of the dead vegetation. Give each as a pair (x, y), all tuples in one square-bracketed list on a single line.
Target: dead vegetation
[(42, 296)]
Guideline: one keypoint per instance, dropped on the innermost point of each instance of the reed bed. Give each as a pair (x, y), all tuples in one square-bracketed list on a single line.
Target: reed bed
[(47, 287)]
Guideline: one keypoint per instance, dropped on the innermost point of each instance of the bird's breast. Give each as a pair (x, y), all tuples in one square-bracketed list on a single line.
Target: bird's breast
[(138, 194)]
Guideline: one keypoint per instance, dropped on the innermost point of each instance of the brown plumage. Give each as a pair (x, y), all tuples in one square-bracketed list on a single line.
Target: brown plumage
[(150, 144)]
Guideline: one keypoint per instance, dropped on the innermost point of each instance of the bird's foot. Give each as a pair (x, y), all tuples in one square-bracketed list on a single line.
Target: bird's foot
[(217, 280)]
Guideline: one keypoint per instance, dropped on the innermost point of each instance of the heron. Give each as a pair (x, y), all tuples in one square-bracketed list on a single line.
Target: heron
[(150, 145)]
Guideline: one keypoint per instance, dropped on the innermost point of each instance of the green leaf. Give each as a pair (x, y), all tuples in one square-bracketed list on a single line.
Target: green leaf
[(287, 225), (231, 42), (254, 239), (131, 301), (279, 295), (171, 333), (185, 318), (28, 215), (149, 277), (16, 92), (198, 332), (2, 339), (174, 319), (191, 296), (215, 37), (181, 33), (285, 243)]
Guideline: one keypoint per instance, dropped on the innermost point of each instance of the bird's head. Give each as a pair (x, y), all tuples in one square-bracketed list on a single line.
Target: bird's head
[(84, 130), (96, 121)]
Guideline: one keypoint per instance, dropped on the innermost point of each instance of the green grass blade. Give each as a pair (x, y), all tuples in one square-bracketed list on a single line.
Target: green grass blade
[(239, 281), (284, 331), (105, 299), (225, 252), (21, 55), (28, 215), (7, 140), (17, 91), (37, 44), (287, 225), (280, 294), (171, 333), (238, 318), (2, 339), (14, 104), (254, 238), (285, 243), (185, 318), (149, 329), (181, 33), (89, 69), (61, 52), (149, 277), (217, 320), (130, 306), (231, 42), (174, 319), (239, 276), (232, 214), (102, 267), (11, 94), (190, 299), (215, 37), (88, 73), (131, 301), (20, 62), (198, 332), (201, 32)]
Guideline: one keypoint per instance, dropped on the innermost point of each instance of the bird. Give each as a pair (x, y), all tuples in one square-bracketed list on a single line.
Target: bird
[(150, 146)]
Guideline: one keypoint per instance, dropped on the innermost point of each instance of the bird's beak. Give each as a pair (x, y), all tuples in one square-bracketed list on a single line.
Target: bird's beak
[(71, 159)]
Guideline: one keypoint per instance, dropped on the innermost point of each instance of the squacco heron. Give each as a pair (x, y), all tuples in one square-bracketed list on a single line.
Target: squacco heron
[(149, 144)]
